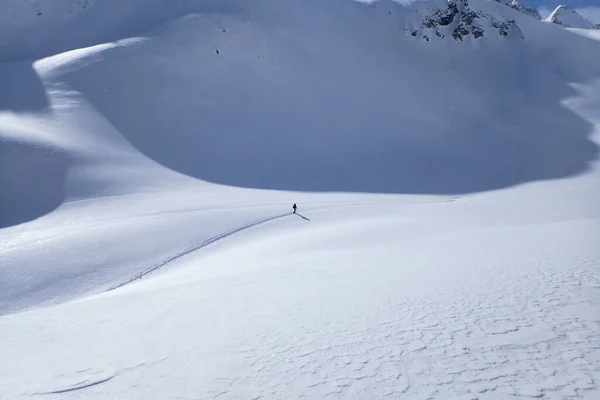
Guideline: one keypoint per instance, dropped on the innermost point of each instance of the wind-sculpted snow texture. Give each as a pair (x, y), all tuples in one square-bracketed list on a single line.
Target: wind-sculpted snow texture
[(443, 157)]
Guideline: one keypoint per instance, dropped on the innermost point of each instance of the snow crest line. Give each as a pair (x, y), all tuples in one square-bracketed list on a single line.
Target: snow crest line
[(198, 246)]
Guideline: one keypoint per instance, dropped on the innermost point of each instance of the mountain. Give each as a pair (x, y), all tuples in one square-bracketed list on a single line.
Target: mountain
[(516, 5), (458, 20), (531, 11), (447, 183), (569, 18)]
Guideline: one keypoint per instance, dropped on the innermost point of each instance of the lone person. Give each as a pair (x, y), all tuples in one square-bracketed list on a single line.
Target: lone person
[(294, 207)]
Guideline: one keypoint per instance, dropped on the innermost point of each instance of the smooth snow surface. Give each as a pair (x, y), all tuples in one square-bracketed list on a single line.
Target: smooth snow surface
[(447, 244)]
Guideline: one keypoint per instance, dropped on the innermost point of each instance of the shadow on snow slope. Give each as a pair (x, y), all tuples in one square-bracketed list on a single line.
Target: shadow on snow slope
[(319, 96), (338, 99), (32, 181), (21, 88), (32, 176)]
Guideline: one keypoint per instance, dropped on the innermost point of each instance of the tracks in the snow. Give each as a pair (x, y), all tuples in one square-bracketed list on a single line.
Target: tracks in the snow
[(196, 247)]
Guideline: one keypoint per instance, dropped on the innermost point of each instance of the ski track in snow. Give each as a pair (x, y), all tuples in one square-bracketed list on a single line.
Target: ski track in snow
[(197, 247)]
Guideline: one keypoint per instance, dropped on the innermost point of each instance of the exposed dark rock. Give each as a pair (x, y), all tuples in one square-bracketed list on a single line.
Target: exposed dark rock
[(459, 21)]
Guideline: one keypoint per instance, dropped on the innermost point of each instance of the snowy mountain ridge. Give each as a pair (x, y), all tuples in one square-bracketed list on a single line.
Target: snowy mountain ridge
[(531, 11), (36, 29), (458, 20), (569, 18), (517, 5)]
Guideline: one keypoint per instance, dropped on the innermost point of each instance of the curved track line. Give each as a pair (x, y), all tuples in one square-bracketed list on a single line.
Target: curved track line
[(82, 385), (196, 247)]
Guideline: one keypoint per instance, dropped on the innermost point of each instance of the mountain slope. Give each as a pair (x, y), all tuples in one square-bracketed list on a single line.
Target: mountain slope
[(460, 20), (569, 18), (516, 5), (305, 100), (284, 105), (446, 242)]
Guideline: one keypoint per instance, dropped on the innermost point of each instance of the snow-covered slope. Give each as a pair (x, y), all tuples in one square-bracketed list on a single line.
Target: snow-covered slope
[(34, 29), (531, 11), (569, 18), (150, 151), (525, 9)]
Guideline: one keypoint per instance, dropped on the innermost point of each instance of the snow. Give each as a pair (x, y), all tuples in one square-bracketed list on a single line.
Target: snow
[(532, 12), (517, 5), (592, 34), (446, 245), (462, 20), (569, 18)]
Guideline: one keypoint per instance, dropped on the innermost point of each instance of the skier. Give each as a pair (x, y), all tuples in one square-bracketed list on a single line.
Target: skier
[(294, 207)]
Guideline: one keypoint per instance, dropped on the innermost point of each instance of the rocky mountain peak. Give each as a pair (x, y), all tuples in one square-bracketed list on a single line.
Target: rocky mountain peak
[(531, 11), (569, 18), (457, 20)]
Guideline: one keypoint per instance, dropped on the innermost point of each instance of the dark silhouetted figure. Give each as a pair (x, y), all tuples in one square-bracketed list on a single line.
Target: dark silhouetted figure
[(294, 207)]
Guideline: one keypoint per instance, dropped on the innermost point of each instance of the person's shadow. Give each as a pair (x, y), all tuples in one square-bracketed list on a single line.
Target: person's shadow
[(302, 216)]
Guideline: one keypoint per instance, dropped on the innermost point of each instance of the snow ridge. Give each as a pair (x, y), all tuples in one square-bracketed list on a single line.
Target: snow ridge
[(531, 11), (569, 18), (516, 5)]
